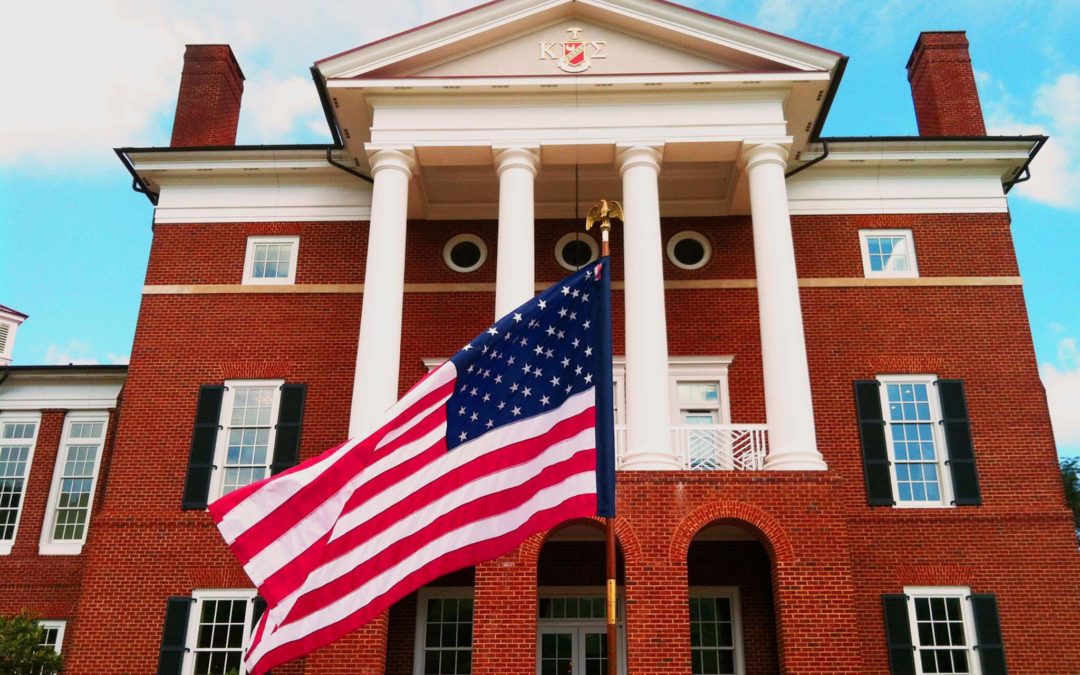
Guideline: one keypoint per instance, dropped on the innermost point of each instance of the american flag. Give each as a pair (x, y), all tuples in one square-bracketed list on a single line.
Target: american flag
[(512, 436)]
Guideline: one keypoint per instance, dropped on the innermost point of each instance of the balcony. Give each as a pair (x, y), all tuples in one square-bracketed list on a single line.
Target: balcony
[(711, 447)]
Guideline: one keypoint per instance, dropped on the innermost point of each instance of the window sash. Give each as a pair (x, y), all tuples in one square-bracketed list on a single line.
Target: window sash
[(710, 653), (888, 253), (941, 627), (18, 438), (54, 634), (444, 642), (71, 496), (271, 259), (245, 444), (916, 430), (211, 644)]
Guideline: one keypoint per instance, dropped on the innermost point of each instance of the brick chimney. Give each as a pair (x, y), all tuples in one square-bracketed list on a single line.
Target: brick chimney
[(208, 107), (943, 86)]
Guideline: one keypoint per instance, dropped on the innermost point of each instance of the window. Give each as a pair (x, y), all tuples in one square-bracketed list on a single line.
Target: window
[(715, 631), (572, 631), (271, 260), (888, 253), (74, 479), (444, 620), (575, 250), (18, 435), (916, 451), (245, 444), (219, 630), (54, 634), (465, 253), (689, 250), (942, 630)]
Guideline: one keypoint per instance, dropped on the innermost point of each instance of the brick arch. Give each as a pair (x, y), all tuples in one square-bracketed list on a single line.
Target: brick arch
[(776, 539), (627, 539)]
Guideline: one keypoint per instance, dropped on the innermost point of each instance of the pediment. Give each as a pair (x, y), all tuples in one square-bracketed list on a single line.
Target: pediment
[(576, 37)]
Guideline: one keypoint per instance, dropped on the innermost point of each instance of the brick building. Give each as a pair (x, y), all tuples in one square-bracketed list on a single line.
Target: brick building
[(835, 454)]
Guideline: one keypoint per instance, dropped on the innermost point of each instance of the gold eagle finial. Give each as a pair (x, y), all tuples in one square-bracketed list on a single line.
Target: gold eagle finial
[(603, 213)]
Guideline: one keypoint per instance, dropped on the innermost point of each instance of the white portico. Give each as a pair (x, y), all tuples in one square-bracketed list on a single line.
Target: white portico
[(531, 109)]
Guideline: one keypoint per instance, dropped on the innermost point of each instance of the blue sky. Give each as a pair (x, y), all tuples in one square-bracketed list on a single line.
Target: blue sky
[(74, 238)]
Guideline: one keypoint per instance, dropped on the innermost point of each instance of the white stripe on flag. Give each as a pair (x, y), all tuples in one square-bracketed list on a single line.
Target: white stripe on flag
[(472, 533)]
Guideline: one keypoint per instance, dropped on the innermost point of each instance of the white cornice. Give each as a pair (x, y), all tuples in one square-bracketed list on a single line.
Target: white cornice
[(632, 81)]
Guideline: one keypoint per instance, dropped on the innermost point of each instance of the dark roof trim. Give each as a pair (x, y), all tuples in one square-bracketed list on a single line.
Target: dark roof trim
[(83, 369), (9, 310), (889, 139), (1024, 172), (826, 106), (137, 183), (225, 148), (328, 109)]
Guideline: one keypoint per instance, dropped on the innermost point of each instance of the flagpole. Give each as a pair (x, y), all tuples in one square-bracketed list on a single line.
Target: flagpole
[(602, 213)]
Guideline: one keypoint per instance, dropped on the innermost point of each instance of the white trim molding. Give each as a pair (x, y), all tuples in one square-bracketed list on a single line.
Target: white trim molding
[(692, 235), (962, 595), (221, 449), (911, 470), (198, 596), (468, 238), (889, 268)]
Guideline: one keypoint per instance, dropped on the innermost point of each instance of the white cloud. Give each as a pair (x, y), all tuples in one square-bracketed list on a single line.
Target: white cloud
[(91, 76), (1055, 112), (75, 352), (118, 359), (1062, 382)]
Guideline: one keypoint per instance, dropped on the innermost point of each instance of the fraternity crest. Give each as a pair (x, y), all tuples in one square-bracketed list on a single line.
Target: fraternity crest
[(575, 54)]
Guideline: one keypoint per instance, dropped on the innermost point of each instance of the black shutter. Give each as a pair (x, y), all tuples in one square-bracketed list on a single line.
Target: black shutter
[(957, 429), (290, 417), (874, 450), (898, 634), (173, 636), (203, 440), (258, 606), (988, 634)]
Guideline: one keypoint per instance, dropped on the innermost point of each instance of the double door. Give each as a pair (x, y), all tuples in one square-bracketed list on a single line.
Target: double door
[(572, 649)]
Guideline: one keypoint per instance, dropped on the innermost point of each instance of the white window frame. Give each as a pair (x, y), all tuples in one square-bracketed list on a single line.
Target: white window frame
[(576, 236), (945, 487), (49, 546), (961, 592), (60, 626), (700, 238), (221, 446), (422, 596), (20, 418), (458, 239), (732, 594), (194, 616), (249, 260), (699, 369), (864, 245)]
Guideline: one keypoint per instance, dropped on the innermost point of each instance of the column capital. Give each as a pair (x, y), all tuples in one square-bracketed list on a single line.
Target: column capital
[(516, 157), (631, 155), (764, 153), (403, 159)]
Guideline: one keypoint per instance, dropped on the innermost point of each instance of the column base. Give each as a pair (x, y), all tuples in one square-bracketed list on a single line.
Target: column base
[(802, 460), (651, 461)]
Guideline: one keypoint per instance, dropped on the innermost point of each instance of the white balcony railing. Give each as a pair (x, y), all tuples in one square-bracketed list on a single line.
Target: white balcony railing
[(712, 447)]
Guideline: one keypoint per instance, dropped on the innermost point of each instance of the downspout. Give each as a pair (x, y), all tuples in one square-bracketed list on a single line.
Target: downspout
[(1024, 174), (137, 183), (804, 167)]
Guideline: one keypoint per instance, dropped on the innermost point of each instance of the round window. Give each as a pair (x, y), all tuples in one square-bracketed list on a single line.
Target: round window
[(465, 253), (575, 250), (689, 250)]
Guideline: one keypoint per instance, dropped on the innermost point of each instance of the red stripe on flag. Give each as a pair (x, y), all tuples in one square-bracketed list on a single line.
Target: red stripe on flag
[(579, 506)]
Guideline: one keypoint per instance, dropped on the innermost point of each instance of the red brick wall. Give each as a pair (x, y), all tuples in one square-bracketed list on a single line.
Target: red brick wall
[(831, 556), (208, 104), (943, 86)]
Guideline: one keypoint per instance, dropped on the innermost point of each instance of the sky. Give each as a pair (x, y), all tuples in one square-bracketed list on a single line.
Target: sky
[(83, 78)]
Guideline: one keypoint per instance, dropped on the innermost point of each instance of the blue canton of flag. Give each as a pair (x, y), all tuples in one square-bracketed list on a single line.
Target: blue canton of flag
[(532, 360)]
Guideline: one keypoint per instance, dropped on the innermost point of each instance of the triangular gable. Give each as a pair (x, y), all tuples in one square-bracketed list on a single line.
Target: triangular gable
[(535, 37)]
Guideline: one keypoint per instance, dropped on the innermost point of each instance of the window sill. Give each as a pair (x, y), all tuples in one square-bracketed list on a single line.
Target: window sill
[(5, 547), (73, 548)]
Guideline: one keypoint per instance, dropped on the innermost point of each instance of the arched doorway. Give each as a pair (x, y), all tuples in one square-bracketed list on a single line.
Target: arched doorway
[(571, 609), (732, 615)]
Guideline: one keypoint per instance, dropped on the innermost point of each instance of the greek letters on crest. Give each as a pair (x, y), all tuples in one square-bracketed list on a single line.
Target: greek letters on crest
[(574, 54)]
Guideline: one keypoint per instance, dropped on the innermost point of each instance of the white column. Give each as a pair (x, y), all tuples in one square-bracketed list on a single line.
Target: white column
[(515, 275), (378, 355), (648, 408), (789, 409)]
